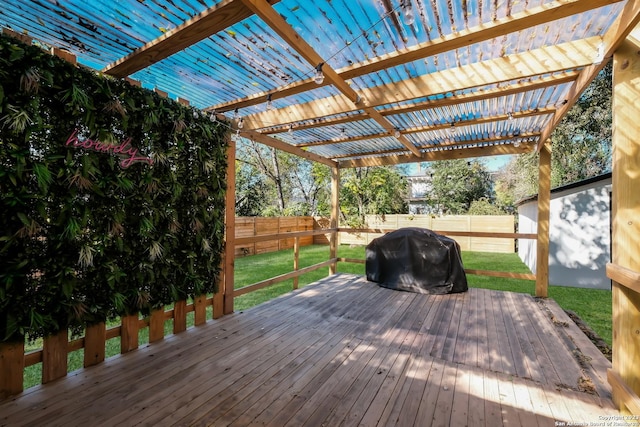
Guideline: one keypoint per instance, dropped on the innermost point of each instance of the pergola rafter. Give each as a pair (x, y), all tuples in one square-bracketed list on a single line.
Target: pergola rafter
[(501, 27), (458, 99), (435, 127), (547, 60)]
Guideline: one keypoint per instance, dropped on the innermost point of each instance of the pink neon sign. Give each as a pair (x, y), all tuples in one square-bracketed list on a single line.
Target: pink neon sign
[(124, 149)]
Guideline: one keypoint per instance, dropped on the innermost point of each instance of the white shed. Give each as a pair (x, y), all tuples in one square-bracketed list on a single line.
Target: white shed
[(579, 233)]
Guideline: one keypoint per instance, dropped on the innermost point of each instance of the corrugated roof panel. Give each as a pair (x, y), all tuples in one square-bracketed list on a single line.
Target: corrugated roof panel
[(356, 147), (585, 25), (248, 58)]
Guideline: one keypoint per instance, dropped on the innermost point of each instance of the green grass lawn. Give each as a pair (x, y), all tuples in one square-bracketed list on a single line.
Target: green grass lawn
[(593, 306)]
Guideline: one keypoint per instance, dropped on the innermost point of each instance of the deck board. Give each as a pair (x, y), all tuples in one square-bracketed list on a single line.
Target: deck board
[(344, 351)]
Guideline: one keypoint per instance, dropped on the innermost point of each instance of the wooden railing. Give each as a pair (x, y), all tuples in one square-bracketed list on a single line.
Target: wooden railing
[(491, 273), (53, 355), (297, 272), (628, 281), (478, 233)]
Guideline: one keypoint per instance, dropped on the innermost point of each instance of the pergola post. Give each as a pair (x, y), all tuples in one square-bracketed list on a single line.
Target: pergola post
[(335, 214), (230, 229), (544, 201), (625, 374)]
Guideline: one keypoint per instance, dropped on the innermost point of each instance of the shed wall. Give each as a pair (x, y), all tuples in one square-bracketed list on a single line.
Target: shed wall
[(579, 236)]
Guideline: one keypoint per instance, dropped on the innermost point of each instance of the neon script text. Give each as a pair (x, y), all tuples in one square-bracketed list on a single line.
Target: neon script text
[(124, 149)]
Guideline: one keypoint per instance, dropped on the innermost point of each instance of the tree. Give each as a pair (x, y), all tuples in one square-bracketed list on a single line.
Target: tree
[(271, 163), (580, 145), (485, 207), (517, 180), (371, 191), (250, 190), (310, 187), (457, 183), (284, 184)]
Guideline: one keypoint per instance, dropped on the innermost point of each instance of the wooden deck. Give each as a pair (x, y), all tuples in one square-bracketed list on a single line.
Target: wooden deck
[(346, 352)]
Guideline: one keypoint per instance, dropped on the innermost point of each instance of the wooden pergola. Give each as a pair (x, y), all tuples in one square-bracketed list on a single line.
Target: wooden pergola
[(463, 80)]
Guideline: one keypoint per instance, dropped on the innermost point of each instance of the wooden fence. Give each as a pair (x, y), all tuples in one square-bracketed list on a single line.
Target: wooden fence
[(257, 226), (459, 227)]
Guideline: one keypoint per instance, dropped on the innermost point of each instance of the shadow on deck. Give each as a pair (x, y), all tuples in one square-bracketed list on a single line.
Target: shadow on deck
[(344, 351)]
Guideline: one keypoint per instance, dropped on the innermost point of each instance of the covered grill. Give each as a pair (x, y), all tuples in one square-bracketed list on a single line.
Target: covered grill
[(416, 260)]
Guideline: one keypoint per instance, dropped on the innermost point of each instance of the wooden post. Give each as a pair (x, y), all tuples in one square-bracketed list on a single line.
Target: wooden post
[(296, 260), (54, 356), (156, 325), (544, 202), (335, 214), (129, 333), (179, 316), (24, 38), (11, 367), (230, 228), (95, 338), (626, 215), (218, 297), (64, 54), (200, 310)]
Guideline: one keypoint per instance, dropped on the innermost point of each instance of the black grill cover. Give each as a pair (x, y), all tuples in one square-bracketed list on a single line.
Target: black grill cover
[(416, 260)]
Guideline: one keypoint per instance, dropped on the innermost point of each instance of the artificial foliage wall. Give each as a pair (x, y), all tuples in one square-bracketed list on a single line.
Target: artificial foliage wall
[(111, 196)]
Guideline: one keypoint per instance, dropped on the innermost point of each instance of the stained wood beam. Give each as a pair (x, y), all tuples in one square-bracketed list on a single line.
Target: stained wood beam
[(454, 143), (438, 155), (517, 22), (479, 95), (276, 143), (439, 126), (625, 238), (334, 218), (280, 26), (201, 26), (544, 203), (543, 61), (617, 33)]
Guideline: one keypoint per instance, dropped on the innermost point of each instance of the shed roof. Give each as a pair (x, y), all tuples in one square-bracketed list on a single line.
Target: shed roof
[(467, 78), (605, 179)]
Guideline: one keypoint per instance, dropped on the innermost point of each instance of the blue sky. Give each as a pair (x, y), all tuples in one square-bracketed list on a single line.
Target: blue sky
[(493, 163)]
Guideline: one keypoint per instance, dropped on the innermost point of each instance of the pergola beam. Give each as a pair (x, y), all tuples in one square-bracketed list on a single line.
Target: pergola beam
[(625, 374), (288, 148), (479, 95), (453, 143), (517, 22), (543, 61), (278, 24), (201, 26), (619, 30), (439, 126), (432, 156)]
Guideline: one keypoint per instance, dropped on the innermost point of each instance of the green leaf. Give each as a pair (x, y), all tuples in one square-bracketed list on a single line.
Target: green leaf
[(16, 53), (43, 175), (24, 219)]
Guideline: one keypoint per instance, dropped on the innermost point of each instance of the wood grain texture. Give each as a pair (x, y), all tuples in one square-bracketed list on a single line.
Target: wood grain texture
[(11, 366), (544, 204), (342, 351), (54, 356), (625, 214), (95, 338)]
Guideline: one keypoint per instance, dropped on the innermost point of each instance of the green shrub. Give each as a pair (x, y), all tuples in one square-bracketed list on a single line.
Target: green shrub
[(112, 197)]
